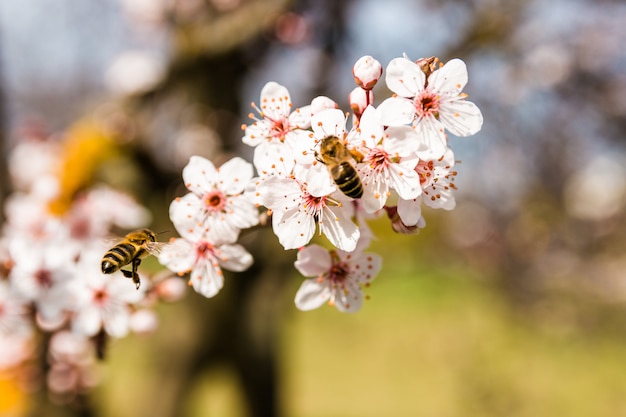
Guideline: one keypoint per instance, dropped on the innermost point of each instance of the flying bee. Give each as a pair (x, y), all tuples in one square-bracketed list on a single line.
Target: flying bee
[(131, 250), (338, 158)]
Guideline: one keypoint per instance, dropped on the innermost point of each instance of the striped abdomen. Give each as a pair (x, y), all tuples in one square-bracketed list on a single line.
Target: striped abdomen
[(347, 179), (119, 255)]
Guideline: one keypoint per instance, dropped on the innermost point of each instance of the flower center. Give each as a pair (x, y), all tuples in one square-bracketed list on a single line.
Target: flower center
[(377, 159), (43, 277), (202, 248), (99, 297), (427, 105), (314, 205), (215, 200), (425, 171), (280, 128), (338, 273)]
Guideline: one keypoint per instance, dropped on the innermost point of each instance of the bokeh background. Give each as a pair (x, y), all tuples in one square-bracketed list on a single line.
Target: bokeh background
[(513, 304)]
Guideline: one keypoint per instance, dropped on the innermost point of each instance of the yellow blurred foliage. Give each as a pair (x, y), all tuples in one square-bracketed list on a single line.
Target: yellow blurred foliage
[(86, 145), (12, 397)]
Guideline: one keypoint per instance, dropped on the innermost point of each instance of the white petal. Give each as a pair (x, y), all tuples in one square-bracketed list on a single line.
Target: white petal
[(431, 138), (116, 321), (280, 194), (273, 158), (404, 77), (87, 322), (410, 211), (186, 212), (234, 257), (179, 256), (311, 295), (319, 182), (300, 118), (234, 175), (337, 226), (199, 175), (396, 111), (405, 181), (350, 299), (461, 117), (313, 260), (275, 101), (257, 133), (207, 279), (375, 190), (449, 79), (294, 229), (329, 122)]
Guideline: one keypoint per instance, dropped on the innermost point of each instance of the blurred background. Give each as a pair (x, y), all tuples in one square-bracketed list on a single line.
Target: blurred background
[(513, 304)]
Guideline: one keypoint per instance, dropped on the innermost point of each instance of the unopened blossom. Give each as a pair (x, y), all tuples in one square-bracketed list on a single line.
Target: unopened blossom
[(102, 302), (389, 160), (320, 103), (431, 105), (297, 212), (366, 71), (359, 99), (203, 259), (216, 202), (336, 277), (278, 134)]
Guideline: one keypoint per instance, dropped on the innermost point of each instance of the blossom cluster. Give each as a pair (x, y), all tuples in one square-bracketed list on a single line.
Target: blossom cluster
[(50, 277), (321, 172)]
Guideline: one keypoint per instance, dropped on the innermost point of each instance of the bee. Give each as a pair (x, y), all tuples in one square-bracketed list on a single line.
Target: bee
[(131, 250), (338, 158)]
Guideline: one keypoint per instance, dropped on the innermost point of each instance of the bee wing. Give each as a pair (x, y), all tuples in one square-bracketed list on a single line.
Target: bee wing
[(154, 248)]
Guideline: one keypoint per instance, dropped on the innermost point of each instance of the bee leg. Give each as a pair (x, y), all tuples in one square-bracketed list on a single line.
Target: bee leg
[(134, 273), (127, 274)]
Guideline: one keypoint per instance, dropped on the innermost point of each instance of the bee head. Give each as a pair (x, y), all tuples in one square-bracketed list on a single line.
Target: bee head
[(142, 236)]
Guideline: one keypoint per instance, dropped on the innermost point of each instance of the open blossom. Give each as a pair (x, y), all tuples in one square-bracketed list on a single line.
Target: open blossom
[(14, 312), (278, 135), (431, 105), (296, 212), (216, 201), (204, 259), (436, 177), (336, 277), (389, 161)]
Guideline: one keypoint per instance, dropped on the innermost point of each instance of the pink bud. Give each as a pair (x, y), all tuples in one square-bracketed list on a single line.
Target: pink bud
[(367, 71), (359, 99)]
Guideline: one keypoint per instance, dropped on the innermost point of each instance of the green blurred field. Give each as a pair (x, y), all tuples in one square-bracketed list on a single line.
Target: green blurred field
[(434, 340)]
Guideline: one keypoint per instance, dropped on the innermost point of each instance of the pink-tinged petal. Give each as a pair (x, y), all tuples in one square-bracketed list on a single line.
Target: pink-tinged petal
[(294, 229), (234, 175), (348, 299), (179, 256), (404, 77), (410, 211), (313, 260), (116, 321), (243, 212), (329, 122), (369, 265), (199, 175), (234, 257), (432, 142), (207, 278), (300, 118), (186, 212), (273, 158), (439, 198), (337, 226), (275, 101), (461, 118), (311, 295), (450, 79), (88, 322), (405, 181), (396, 111), (370, 125)]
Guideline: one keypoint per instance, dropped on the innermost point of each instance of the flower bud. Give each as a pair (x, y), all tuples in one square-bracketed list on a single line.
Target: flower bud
[(367, 71), (359, 99)]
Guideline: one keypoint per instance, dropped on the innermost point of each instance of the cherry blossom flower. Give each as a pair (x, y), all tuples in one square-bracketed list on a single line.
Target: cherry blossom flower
[(296, 212), (336, 277), (278, 135), (102, 302), (194, 252), (216, 201), (14, 312), (389, 161), (432, 105), (436, 177)]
